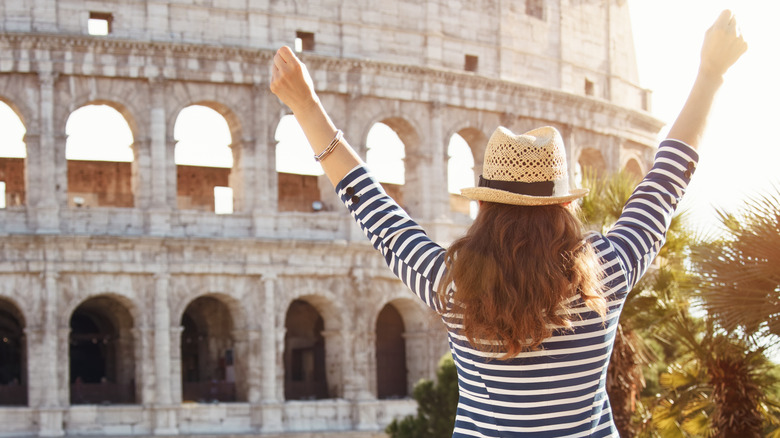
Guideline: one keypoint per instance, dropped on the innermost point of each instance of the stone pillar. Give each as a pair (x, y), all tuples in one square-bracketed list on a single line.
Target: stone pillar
[(36, 358), (334, 361), (250, 364), (176, 380), (144, 365), (165, 415), (437, 182), (240, 363), (264, 190), (270, 361), (418, 358), (242, 174), (47, 185), (163, 196), (54, 383), (142, 168)]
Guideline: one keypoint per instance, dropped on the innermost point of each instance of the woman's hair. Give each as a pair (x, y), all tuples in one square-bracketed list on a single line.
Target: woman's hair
[(516, 273)]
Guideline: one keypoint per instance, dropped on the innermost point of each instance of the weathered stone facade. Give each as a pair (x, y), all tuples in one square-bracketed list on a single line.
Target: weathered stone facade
[(272, 310)]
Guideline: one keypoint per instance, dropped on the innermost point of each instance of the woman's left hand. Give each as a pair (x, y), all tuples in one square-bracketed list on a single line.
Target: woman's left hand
[(291, 82)]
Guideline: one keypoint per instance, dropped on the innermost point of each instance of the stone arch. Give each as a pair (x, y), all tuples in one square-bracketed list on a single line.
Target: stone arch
[(197, 185), (633, 168), (297, 171), (305, 372), (592, 160), (398, 362), (391, 371), (475, 139), (13, 355), (406, 193), (13, 158), (102, 360), (214, 350), (312, 326), (101, 181)]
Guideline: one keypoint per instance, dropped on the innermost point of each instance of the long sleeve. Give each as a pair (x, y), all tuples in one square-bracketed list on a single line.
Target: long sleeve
[(640, 231), (408, 251)]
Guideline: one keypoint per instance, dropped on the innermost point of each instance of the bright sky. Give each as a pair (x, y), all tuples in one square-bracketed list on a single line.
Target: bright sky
[(740, 154)]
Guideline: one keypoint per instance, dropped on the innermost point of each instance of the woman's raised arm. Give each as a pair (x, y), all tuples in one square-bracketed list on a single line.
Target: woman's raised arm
[(293, 85), (723, 45)]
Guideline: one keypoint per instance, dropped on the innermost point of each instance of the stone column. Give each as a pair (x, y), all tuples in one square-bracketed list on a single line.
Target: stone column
[(418, 358), (270, 361), (175, 378), (437, 182), (53, 379), (47, 185), (334, 361), (240, 348), (165, 415), (142, 169), (262, 197), (158, 219), (242, 174), (144, 365)]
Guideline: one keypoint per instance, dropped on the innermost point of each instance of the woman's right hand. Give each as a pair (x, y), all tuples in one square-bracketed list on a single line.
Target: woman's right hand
[(723, 45), (291, 82)]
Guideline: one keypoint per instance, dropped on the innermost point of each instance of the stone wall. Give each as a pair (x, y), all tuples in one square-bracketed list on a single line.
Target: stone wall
[(135, 266)]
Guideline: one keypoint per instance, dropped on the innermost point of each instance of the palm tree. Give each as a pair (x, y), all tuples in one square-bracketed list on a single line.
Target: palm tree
[(740, 282), (653, 299), (717, 389), (723, 385)]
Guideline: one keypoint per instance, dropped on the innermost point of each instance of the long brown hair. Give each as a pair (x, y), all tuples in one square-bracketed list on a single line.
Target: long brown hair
[(515, 273)]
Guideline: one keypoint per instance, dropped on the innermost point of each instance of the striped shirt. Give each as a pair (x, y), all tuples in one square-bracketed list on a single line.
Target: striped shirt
[(560, 389)]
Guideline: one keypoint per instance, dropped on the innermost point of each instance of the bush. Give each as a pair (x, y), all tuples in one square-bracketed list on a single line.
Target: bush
[(436, 406)]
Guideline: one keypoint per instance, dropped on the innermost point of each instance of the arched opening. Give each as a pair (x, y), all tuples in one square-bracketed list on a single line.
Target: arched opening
[(391, 372), (13, 356), (13, 153), (208, 354), (634, 169), (460, 174), (591, 160), (100, 158), (204, 160), (102, 366), (297, 171), (385, 154), (304, 353)]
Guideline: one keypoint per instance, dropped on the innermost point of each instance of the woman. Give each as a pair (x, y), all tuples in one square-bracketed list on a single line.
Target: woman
[(530, 303)]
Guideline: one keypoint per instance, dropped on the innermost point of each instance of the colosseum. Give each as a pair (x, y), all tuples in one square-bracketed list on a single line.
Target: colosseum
[(132, 304)]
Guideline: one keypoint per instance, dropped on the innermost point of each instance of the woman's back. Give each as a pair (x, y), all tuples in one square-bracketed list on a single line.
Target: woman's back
[(557, 389)]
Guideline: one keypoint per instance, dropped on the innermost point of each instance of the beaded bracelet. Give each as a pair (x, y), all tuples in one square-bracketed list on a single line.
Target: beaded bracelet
[(333, 143)]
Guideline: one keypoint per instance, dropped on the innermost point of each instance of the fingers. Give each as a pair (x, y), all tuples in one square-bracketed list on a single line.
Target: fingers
[(725, 17)]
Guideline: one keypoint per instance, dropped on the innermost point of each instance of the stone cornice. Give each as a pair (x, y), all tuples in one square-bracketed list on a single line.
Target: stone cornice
[(258, 58)]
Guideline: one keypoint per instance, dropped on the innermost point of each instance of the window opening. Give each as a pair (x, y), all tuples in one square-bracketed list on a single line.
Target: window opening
[(304, 41), (304, 353), (297, 172), (223, 200), (100, 158), (460, 174), (99, 23), (535, 8), (471, 63), (12, 158), (391, 372), (204, 159), (589, 87)]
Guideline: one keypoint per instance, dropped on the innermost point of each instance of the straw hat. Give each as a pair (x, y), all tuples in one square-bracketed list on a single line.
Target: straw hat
[(527, 169)]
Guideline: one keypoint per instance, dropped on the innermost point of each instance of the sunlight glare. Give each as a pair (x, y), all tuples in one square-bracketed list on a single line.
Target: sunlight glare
[(98, 133), (203, 138)]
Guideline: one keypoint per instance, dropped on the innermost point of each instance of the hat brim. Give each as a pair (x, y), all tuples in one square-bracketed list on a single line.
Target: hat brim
[(503, 197)]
